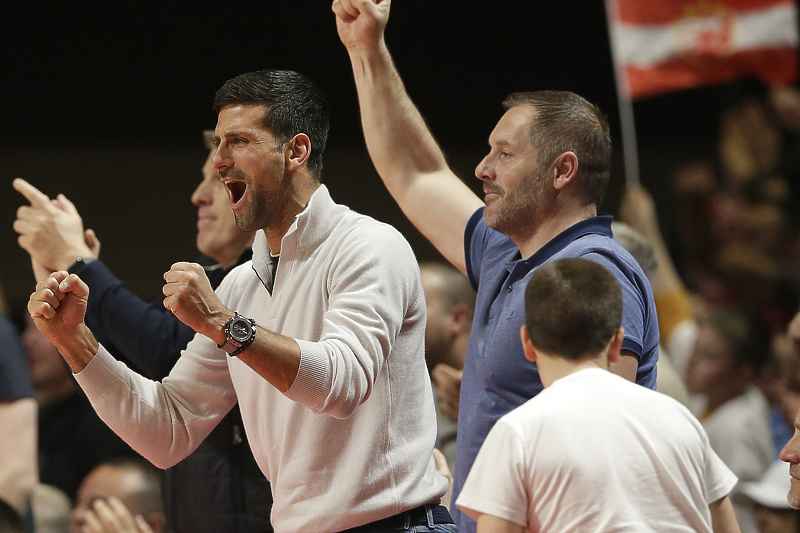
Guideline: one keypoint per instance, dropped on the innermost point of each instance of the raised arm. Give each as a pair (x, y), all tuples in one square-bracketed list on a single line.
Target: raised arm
[(403, 150)]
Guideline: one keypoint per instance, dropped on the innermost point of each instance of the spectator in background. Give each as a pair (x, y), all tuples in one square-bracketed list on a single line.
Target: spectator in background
[(729, 352), (450, 303), (676, 315), (18, 469), (669, 381), (72, 438), (120, 496), (219, 487)]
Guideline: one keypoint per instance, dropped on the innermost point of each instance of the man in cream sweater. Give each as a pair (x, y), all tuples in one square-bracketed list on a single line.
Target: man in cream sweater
[(324, 334)]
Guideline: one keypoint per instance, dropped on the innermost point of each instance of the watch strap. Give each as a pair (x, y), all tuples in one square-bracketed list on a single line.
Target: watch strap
[(233, 346), (79, 264)]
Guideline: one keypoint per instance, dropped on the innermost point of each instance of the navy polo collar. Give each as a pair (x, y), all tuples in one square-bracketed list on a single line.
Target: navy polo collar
[(597, 225)]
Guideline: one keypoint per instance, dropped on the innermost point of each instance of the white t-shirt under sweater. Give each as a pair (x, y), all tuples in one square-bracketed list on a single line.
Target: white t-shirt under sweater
[(594, 452), (351, 441)]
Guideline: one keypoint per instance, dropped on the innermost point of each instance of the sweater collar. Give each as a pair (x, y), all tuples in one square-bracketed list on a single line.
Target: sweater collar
[(309, 228)]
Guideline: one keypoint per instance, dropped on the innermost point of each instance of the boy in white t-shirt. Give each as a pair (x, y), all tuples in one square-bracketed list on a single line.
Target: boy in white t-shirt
[(592, 452)]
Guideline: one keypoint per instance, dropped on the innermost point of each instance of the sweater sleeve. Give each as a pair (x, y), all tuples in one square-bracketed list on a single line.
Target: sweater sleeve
[(374, 291), (163, 421), (146, 334)]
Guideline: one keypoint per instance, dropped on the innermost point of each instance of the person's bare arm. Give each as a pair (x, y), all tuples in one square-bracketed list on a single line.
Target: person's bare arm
[(18, 469), (403, 150), (492, 524), (627, 365), (723, 518)]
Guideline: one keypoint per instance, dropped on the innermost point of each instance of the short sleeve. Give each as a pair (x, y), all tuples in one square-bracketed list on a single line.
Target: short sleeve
[(720, 480), (497, 484), (474, 237)]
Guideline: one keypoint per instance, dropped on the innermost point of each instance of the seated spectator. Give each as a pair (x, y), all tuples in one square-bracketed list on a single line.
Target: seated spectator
[(730, 350), (124, 492), (592, 452)]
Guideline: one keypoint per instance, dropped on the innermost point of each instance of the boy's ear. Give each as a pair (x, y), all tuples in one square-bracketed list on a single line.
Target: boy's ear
[(615, 346), (527, 345)]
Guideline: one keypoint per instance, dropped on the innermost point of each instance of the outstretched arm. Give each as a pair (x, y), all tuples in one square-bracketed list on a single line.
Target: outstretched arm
[(404, 152)]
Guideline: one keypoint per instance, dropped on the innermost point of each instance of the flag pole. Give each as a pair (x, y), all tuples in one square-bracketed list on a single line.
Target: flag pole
[(630, 150)]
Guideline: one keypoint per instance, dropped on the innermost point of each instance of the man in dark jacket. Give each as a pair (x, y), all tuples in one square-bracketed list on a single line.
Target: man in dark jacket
[(219, 487)]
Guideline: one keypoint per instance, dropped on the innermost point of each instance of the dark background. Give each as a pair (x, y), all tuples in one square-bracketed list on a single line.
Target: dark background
[(106, 102)]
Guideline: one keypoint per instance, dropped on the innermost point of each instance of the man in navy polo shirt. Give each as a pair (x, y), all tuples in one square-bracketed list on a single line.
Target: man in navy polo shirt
[(544, 176)]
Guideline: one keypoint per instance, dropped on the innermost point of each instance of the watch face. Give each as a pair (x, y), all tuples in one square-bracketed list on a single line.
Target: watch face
[(241, 330)]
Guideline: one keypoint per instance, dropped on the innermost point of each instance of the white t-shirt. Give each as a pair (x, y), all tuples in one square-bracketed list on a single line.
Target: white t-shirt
[(593, 453)]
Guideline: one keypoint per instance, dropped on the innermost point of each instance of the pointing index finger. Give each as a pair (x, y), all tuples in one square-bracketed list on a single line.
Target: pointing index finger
[(36, 197)]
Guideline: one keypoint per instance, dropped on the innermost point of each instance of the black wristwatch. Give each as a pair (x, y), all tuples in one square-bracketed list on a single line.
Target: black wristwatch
[(79, 264), (240, 332)]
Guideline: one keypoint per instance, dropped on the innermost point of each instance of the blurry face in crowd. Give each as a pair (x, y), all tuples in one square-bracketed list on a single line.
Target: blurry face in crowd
[(104, 482), (512, 179), (710, 367), (791, 454), (217, 234)]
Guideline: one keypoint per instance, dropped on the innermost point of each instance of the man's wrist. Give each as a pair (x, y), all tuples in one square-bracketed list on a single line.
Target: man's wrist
[(79, 349), (80, 263)]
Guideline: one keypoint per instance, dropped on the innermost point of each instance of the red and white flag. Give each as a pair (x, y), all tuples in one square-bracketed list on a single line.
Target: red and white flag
[(661, 46)]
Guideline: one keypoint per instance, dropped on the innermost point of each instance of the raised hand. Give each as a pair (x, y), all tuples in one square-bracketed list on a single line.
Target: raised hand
[(51, 231), (190, 298), (58, 308), (111, 516), (448, 383), (361, 23)]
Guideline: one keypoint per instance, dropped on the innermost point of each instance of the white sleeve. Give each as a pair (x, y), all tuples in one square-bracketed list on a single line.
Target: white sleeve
[(497, 483), (719, 479), (163, 421), (373, 282)]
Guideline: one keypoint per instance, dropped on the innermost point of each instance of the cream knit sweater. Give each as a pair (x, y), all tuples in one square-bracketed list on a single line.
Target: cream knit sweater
[(350, 442)]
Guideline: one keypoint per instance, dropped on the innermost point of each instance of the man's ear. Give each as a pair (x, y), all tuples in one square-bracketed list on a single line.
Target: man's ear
[(527, 346), (615, 346), (565, 167), (460, 319), (297, 151)]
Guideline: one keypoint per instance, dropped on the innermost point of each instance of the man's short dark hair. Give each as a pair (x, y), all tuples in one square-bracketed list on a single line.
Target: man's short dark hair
[(573, 308), (565, 121), (294, 104)]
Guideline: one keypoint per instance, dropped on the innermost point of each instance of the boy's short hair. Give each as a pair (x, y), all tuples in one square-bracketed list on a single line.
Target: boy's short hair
[(573, 308)]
